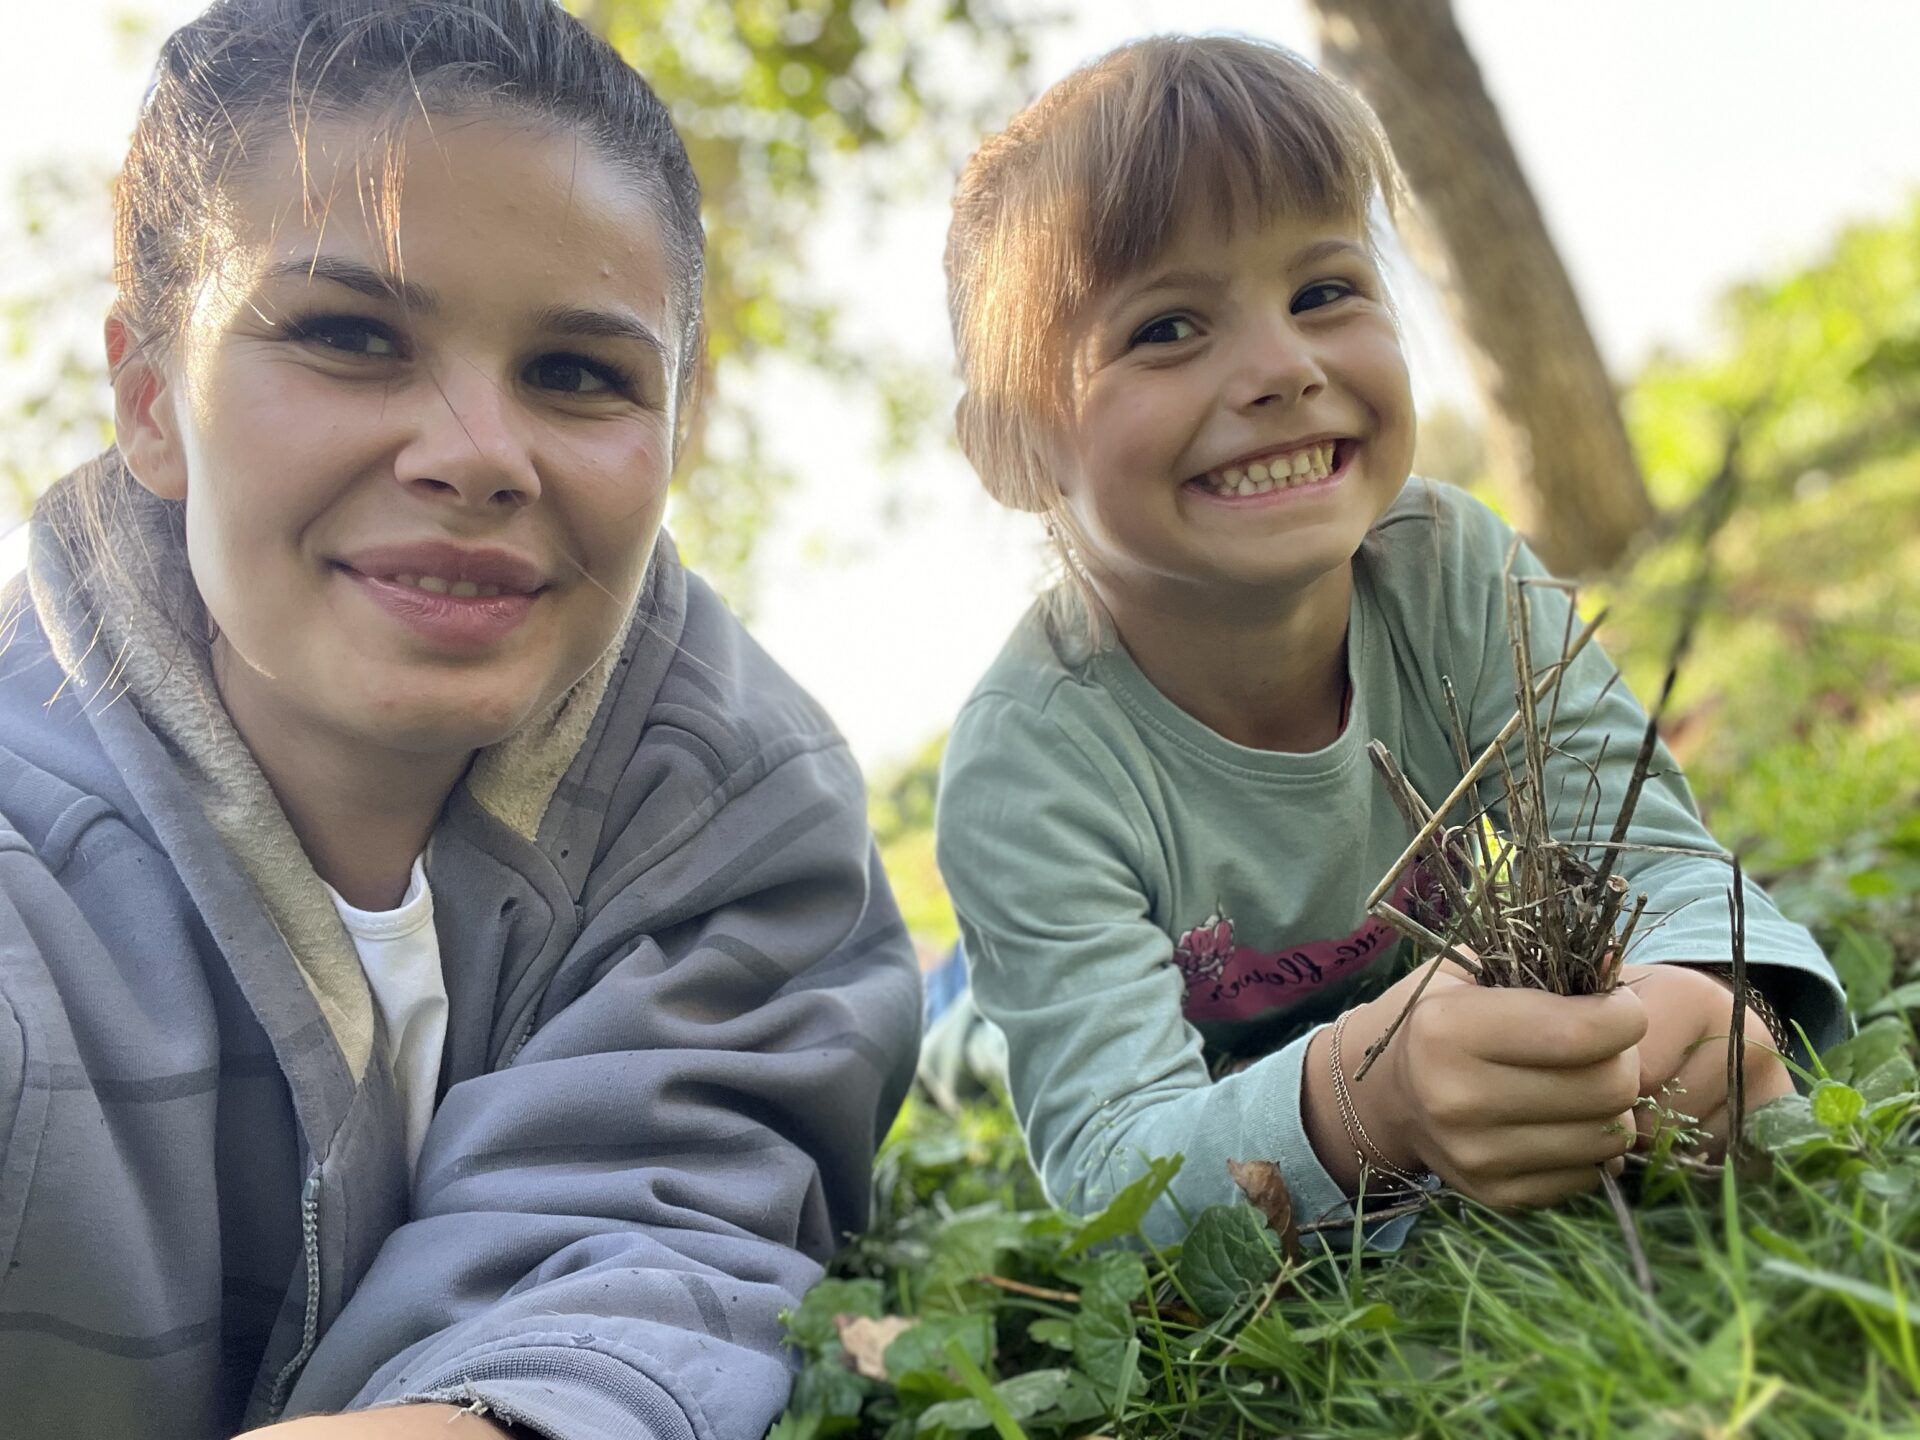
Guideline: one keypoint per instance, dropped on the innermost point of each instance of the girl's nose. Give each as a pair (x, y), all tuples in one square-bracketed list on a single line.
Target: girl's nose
[(1279, 367), (469, 446)]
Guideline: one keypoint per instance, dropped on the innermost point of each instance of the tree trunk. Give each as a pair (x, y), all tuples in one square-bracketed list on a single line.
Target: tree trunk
[(1555, 439)]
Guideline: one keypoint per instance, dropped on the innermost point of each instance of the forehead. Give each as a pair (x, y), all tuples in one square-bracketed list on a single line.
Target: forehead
[(487, 208), (1208, 247)]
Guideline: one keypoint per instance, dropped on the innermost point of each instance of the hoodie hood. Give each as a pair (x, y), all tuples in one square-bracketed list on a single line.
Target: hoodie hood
[(108, 573)]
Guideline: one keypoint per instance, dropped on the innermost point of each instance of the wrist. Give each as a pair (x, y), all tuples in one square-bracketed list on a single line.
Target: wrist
[(1354, 1125), (1383, 1101)]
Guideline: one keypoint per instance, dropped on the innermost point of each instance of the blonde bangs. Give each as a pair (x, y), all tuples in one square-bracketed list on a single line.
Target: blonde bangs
[(1092, 182)]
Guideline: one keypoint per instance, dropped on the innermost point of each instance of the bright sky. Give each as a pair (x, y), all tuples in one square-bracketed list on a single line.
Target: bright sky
[(1675, 149)]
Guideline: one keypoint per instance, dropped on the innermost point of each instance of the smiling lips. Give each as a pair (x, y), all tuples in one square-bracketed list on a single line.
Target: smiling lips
[(446, 594), (1277, 470)]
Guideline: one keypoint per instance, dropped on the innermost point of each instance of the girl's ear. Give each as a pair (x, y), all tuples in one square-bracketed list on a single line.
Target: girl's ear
[(143, 415)]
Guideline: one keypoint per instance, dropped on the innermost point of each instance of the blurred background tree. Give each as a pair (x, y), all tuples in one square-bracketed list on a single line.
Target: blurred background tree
[(1553, 433)]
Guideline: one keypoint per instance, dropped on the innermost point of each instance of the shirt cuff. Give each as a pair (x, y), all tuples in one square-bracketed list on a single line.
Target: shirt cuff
[(1317, 1196)]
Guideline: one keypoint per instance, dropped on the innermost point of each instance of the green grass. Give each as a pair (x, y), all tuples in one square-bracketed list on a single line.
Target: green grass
[(1787, 1302), (1787, 1299)]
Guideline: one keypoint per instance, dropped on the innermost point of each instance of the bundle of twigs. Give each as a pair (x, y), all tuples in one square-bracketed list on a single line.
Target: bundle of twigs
[(1537, 902)]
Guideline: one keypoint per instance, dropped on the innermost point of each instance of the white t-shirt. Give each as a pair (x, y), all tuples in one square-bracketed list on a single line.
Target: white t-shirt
[(400, 953)]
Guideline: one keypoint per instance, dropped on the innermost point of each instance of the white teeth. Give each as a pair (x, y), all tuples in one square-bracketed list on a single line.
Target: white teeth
[(459, 589), (1280, 472)]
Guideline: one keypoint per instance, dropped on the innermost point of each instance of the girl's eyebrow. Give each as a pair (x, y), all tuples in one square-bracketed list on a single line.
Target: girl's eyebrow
[(1327, 249), (376, 284), (1175, 280)]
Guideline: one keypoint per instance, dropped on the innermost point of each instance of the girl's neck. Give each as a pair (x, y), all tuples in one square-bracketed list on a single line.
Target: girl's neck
[(1270, 679), (362, 816)]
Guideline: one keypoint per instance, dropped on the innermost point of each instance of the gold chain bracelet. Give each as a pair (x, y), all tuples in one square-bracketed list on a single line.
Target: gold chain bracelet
[(1357, 1136)]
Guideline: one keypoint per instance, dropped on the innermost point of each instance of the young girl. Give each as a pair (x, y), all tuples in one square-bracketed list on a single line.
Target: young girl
[(1158, 819), (444, 974)]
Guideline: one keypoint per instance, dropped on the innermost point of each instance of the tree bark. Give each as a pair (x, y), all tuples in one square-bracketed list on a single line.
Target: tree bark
[(1555, 440)]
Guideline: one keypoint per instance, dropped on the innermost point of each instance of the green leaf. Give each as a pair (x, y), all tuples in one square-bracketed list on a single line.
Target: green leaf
[(1226, 1259), (1878, 1042), (1888, 1079), (1785, 1124), (1126, 1210), (1864, 963), (971, 1245), (1063, 1396), (1052, 1332), (1103, 1330), (1895, 1001), (828, 1388), (795, 1426), (923, 1349), (1893, 1185), (811, 1327), (1836, 1106)]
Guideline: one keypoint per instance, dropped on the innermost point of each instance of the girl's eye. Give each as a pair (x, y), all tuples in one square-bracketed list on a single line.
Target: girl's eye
[(348, 335), (575, 375), (1167, 330), (1320, 293)]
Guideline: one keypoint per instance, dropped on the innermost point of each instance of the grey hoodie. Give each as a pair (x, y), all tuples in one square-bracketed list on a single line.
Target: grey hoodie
[(682, 1011)]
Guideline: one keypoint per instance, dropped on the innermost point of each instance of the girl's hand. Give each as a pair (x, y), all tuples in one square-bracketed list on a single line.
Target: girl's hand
[(1683, 1059), (1513, 1097)]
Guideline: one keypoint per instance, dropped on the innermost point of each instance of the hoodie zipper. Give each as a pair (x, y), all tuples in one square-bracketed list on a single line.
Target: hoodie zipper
[(310, 1325)]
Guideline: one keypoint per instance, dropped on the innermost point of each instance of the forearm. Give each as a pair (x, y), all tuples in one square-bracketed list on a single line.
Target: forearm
[(392, 1422)]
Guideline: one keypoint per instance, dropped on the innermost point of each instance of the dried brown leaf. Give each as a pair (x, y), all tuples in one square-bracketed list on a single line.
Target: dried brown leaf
[(1260, 1182), (866, 1341)]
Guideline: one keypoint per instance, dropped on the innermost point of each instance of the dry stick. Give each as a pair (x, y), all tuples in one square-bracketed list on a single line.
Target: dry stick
[(1475, 770), (1736, 1042), (1629, 1232), (1414, 811), (1443, 950)]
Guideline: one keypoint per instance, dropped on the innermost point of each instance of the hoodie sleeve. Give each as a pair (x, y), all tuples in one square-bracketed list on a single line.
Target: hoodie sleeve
[(607, 1229)]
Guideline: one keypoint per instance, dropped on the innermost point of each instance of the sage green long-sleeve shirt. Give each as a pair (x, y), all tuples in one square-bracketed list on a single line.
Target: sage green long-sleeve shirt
[(1140, 896)]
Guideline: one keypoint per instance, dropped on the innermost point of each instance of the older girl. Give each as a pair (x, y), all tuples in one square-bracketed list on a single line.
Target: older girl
[(444, 975)]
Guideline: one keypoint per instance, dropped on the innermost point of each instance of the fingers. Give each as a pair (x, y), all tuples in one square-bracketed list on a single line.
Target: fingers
[(1535, 1030), (1491, 1094), (1526, 1149), (1532, 1192)]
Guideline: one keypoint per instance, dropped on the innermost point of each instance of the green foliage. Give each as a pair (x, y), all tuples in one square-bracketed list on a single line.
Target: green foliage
[(1796, 715), (901, 812), (1787, 1300), (784, 104)]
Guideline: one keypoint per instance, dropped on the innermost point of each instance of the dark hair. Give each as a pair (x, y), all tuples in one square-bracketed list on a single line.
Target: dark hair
[(245, 76), (247, 73)]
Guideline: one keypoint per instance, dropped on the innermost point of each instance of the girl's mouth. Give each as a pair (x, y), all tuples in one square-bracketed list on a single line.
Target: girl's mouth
[(1278, 476)]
